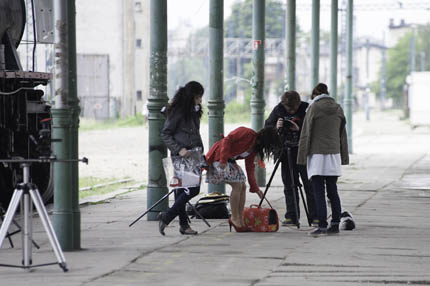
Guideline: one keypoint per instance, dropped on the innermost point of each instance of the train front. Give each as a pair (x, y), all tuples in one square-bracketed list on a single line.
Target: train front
[(25, 119)]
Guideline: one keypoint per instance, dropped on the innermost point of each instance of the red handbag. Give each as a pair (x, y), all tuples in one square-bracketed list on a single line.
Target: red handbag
[(259, 219)]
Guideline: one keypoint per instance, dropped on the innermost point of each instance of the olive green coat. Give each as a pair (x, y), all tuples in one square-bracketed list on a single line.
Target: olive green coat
[(323, 131)]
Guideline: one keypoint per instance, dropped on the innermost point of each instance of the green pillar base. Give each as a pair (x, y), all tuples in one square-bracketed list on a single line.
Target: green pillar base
[(153, 195), (60, 222), (76, 230)]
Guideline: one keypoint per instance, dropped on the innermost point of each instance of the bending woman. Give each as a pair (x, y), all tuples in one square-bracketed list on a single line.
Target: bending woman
[(241, 143), (181, 132)]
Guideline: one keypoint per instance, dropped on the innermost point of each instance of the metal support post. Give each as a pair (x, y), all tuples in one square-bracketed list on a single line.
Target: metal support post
[(216, 77), (257, 99), (383, 77), (412, 52), (348, 95), (333, 48), (66, 214), (157, 186), (315, 42), (291, 46), (62, 216), (73, 102)]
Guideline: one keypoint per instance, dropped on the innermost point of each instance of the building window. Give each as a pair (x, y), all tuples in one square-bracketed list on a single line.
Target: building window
[(138, 7), (138, 43), (139, 95)]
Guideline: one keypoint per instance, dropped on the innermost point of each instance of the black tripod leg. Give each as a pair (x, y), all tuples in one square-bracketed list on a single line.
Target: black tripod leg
[(270, 182), (293, 186), (305, 206), (199, 214), (153, 206)]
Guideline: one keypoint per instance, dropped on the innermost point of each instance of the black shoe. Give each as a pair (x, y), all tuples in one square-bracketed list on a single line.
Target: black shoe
[(161, 224), (333, 229), (187, 230), (315, 222), (318, 232), (289, 222)]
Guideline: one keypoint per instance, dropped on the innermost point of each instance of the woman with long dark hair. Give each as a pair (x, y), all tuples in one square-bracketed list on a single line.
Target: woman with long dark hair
[(241, 143), (181, 133)]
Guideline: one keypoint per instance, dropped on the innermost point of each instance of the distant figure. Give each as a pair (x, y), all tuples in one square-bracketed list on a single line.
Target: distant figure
[(323, 148)]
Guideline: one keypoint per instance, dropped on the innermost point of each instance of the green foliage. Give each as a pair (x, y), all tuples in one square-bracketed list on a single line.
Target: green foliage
[(399, 61), (239, 24), (184, 70), (86, 124), (423, 47), (97, 187), (236, 112), (398, 68)]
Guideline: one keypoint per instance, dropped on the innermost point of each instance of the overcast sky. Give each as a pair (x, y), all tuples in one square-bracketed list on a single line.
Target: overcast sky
[(368, 22)]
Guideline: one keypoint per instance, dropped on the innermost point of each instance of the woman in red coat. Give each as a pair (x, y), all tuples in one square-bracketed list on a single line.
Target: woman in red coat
[(241, 143)]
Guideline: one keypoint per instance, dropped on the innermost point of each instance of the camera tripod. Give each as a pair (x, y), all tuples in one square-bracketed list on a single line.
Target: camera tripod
[(26, 194), (293, 186), (162, 199), (19, 228)]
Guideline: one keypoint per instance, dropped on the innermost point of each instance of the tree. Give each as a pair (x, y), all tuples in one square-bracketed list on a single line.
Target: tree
[(399, 61), (239, 24)]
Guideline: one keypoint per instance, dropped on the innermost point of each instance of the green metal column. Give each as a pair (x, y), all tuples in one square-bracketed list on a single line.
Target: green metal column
[(216, 77), (156, 100), (62, 216), (333, 48), (315, 42), (66, 214), (291, 45), (257, 98), (348, 96), (73, 102)]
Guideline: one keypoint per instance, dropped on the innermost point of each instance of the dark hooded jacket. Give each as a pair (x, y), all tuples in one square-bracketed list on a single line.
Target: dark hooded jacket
[(178, 132), (323, 131)]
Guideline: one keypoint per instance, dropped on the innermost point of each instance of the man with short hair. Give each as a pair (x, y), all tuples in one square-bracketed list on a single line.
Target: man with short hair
[(288, 117)]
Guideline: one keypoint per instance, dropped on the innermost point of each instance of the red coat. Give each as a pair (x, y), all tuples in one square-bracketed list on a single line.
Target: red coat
[(240, 140)]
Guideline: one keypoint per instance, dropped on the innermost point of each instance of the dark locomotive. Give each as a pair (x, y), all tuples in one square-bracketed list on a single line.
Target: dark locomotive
[(25, 120)]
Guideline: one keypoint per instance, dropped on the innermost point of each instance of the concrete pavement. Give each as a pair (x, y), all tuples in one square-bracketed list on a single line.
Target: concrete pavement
[(386, 187)]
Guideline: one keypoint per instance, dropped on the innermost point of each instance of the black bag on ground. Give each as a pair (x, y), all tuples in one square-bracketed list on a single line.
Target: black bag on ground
[(212, 206)]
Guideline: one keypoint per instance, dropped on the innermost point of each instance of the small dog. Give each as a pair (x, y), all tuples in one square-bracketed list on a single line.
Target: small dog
[(346, 221)]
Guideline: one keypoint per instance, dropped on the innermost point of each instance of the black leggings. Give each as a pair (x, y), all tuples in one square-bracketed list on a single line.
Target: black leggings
[(182, 196), (319, 185)]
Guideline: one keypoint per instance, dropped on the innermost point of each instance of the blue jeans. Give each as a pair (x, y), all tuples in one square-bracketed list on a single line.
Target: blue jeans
[(178, 208), (319, 184)]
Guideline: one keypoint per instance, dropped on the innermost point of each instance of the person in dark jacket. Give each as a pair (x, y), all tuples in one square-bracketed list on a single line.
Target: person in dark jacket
[(323, 148), (181, 133), (288, 117)]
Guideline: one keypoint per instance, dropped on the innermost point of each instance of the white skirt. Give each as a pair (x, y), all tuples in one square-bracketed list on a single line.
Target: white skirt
[(324, 165)]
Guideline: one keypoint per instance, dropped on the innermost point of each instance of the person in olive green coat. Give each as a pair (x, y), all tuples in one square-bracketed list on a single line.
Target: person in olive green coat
[(323, 148)]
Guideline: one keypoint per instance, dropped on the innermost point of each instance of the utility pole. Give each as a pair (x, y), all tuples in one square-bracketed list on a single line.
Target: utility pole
[(383, 77), (257, 99), (348, 95), (157, 185), (333, 49), (216, 78), (291, 45), (128, 49), (315, 43)]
